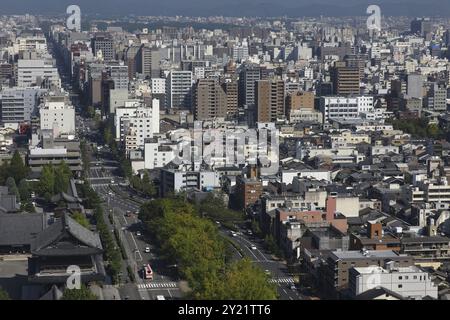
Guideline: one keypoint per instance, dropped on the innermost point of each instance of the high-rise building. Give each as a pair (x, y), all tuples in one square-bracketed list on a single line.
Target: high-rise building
[(270, 102), (230, 86), (437, 98), (249, 74), (179, 90), (345, 79), (133, 59), (421, 26), (415, 86), (105, 44), (210, 100), (150, 62), (119, 75)]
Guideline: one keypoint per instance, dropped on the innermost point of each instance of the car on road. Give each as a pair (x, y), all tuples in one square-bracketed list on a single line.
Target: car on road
[(253, 247), (147, 249), (128, 214), (293, 287), (267, 272), (138, 233), (159, 297), (112, 180), (249, 232)]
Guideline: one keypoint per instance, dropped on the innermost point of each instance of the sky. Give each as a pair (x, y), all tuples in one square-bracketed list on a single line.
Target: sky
[(292, 8)]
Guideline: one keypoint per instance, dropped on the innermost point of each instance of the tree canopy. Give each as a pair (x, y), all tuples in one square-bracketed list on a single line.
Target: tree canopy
[(195, 245)]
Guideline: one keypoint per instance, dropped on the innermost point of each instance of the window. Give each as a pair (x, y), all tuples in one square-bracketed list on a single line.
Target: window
[(400, 286)]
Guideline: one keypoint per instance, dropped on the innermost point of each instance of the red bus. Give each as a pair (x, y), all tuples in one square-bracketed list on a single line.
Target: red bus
[(148, 272)]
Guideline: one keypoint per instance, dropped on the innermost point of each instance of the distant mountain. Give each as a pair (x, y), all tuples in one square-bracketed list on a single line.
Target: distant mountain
[(292, 8)]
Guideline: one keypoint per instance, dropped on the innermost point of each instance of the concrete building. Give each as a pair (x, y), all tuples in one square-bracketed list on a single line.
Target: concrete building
[(345, 108), (136, 122), (150, 62), (336, 268), (157, 155), (415, 86), (57, 115), (230, 87), (19, 104), (299, 100), (409, 282), (345, 79), (210, 100), (270, 102), (103, 42), (119, 75), (248, 191), (248, 76), (174, 181), (54, 150), (179, 90), (39, 73)]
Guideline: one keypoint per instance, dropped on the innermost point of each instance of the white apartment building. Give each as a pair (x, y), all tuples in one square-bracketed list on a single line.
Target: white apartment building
[(409, 282), (158, 86), (36, 72), (240, 52), (157, 155), (136, 120), (179, 90), (173, 181), (345, 108), (57, 116)]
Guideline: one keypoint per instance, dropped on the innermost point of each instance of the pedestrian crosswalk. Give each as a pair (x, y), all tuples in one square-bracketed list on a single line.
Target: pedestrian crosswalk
[(160, 285), (282, 280)]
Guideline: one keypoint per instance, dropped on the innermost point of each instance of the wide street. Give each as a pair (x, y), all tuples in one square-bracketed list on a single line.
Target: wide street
[(276, 270)]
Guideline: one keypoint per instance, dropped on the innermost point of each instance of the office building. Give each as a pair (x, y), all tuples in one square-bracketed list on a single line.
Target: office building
[(18, 105), (104, 44), (39, 73), (345, 79)]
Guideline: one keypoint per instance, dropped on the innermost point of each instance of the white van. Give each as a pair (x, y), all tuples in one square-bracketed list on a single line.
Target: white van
[(160, 298)]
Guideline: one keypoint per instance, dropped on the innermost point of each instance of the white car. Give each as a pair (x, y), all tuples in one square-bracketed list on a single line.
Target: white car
[(253, 247), (147, 249), (138, 233)]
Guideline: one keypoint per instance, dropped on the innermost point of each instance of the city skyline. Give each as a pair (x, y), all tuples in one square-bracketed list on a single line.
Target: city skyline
[(262, 8)]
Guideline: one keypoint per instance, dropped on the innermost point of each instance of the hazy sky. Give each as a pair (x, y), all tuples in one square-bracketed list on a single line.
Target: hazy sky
[(295, 8)]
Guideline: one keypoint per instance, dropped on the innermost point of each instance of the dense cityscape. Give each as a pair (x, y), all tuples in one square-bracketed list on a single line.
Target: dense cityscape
[(224, 158)]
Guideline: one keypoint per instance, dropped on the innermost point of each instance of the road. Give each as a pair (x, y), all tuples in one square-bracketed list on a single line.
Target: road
[(277, 270), (118, 201)]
